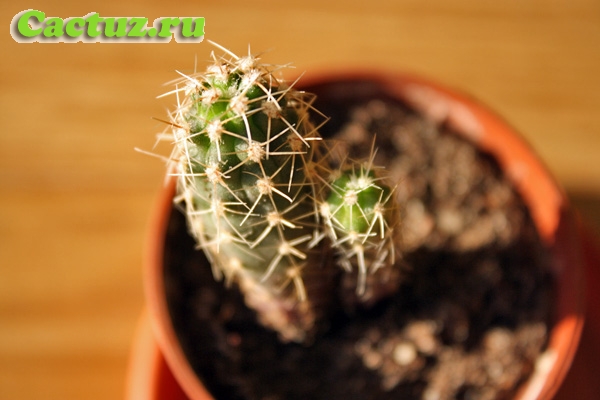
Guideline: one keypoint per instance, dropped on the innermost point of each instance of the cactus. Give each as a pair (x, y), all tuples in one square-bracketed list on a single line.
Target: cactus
[(358, 213), (261, 198)]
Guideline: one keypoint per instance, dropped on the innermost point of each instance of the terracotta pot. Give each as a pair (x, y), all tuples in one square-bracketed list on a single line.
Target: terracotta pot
[(545, 200), (149, 377)]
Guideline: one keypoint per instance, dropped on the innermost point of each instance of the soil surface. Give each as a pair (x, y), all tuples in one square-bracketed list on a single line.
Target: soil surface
[(470, 317)]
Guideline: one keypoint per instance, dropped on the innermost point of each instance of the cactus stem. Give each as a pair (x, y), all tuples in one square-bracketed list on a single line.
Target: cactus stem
[(255, 180)]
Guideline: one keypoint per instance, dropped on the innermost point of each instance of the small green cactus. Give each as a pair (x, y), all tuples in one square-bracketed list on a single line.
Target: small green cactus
[(358, 213), (261, 198)]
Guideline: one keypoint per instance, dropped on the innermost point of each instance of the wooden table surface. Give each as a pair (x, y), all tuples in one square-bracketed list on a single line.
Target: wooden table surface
[(75, 197)]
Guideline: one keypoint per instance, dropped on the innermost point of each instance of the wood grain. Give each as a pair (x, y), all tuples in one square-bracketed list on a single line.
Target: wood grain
[(75, 197)]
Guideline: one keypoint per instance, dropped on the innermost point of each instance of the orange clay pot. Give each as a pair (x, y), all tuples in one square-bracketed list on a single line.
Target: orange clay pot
[(159, 369)]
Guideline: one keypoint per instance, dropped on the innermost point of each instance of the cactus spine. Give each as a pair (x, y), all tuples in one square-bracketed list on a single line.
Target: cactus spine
[(254, 178)]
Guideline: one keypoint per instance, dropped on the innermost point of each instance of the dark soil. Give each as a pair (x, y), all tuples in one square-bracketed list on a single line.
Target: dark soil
[(471, 315)]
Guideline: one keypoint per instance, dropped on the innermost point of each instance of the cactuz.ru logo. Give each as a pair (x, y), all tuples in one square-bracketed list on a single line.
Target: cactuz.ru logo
[(33, 26)]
